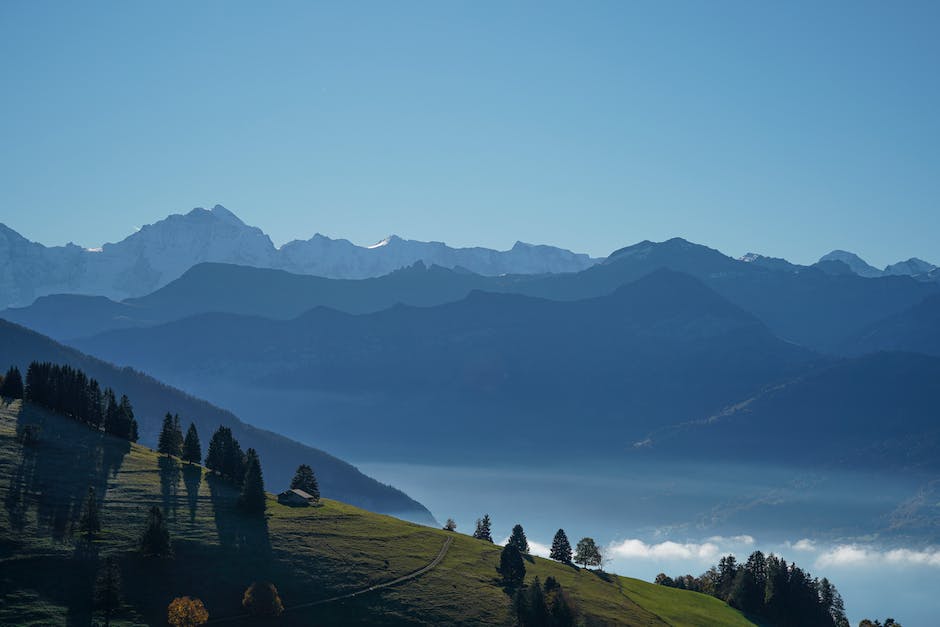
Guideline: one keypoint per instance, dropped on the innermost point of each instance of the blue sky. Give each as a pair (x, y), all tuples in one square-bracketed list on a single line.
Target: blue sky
[(784, 128)]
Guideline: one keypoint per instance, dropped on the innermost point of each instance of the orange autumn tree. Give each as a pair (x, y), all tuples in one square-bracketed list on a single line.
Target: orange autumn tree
[(186, 612)]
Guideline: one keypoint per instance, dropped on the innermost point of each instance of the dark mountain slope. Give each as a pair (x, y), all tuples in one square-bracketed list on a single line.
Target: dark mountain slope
[(915, 330), (67, 316), (877, 410), (153, 399), (216, 287), (661, 347)]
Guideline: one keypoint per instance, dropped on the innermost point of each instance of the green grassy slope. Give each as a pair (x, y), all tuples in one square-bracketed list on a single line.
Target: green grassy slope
[(47, 571)]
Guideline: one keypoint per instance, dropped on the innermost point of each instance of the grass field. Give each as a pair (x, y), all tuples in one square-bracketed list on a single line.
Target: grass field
[(47, 571)]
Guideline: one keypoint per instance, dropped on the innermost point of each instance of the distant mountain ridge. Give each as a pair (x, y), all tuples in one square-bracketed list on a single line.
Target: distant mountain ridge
[(914, 267), (817, 306), (161, 252)]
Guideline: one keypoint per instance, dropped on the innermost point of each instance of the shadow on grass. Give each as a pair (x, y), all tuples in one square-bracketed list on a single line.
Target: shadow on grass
[(602, 575), (246, 534), (192, 479), (169, 485), (54, 474)]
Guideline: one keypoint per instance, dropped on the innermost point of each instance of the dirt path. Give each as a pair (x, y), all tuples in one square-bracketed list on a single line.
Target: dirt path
[(394, 582)]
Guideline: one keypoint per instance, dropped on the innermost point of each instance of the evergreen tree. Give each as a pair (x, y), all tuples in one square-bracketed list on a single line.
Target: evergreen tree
[(727, 571), (561, 548), (95, 405), (832, 602), (128, 422), (170, 442), (531, 608), (482, 531), (155, 541), (214, 456), (192, 449), (12, 384), (225, 455), (108, 590), (561, 610), (305, 480), (587, 554), (90, 522), (252, 498), (235, 461), (110, 412), (511, 567), (518, 540)]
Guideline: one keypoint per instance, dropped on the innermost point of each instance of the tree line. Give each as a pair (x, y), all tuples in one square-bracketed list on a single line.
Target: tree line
[(769, 589), (70, 392)]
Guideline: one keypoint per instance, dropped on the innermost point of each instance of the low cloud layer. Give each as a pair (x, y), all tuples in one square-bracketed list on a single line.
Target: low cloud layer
[(855, 555), (637, 549), (706, 551)]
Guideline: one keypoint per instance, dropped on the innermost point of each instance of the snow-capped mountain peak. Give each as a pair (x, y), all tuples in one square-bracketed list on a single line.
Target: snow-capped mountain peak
[(160, 252)]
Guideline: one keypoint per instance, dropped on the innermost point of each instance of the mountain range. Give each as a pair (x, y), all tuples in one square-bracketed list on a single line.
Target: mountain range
[(810, 306), (159, 253)]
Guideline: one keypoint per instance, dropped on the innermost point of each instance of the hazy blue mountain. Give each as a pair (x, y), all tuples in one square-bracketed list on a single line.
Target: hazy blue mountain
[(161, 252), (911, 267), (771, 263), (835, 267), (858, 265), (66, 316), (915, 330), (152, 399), (447, 378), (808, 306), (878, 410), (813, 306)]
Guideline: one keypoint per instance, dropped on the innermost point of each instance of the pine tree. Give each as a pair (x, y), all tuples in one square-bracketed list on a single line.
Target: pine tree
[(235, 461), (587, 554), (561, 548), (518, 540), (95, 403), (252, 498), (171, 437), (110, 412), (108, 590), (155, 541), (225, 455), (12, 385), (214, 456), (305, 480), (192, 449), (536, 606), (482, 531), (511, 567), (127, 421), (90, 522)]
